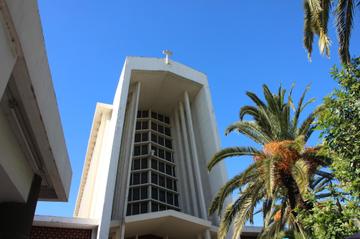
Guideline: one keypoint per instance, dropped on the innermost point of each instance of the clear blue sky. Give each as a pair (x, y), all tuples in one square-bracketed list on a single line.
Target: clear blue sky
[(239, 44)]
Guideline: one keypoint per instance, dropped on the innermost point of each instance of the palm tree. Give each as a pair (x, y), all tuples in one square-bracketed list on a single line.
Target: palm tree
[(316, 17), (282, 171)]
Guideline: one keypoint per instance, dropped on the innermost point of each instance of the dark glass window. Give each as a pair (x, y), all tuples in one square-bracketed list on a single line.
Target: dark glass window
[(154, 164), (153, 126), (145, 137), (162, 207), (168, 143), (135, 208), (154, 207), (168, 156), (136, 178), (145, 125), (144, 177), (153, 138), (136, 164), (144, 149), (137, 137), (154, 193), (136, 194), (145, 114), (169, 198), (136, 150), (162, 195), (161, 184), (161, 181), (144, 163), (168, 170), (169, 183), (154, 178), (161, 129), (161, 153), (130, 194), (162, 167), (176, 199), (154, 151), (144, 192), (144, 207), (161, 141), (153, 115)]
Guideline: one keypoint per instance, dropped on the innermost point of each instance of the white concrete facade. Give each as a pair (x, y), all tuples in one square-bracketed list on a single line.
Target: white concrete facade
[(182, 95)]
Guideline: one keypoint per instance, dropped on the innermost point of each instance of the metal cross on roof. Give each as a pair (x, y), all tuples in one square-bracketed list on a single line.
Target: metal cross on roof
[(167, 54)]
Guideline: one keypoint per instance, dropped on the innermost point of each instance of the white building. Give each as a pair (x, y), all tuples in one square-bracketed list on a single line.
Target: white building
[(34, 163), (145, 173)]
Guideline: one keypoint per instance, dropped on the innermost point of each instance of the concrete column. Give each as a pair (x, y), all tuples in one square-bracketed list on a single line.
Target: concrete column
[(195, 161), (123, 170), (130, 141), (207, 234), (180, 164), (188, 160), (16, 218)]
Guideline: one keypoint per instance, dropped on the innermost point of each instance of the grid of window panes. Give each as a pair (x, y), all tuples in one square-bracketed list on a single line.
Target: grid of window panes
[(153, 182)]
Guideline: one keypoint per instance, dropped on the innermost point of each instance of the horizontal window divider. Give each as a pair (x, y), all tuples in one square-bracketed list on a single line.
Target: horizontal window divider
[(163, 174), (163, 160), (164, 203), (161, 134), (162, 146), (165, 189)]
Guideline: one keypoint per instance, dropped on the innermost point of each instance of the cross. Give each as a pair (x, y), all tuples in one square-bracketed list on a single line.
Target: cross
[(167, 54)]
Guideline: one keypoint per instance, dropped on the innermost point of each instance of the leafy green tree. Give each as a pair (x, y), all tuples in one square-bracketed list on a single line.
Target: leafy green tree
[(331, 219), (338, 215), (340, 122), (283, 169), (316, 17)]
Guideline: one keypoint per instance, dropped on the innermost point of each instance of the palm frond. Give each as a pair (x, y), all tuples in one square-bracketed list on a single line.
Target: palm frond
[(307, 124), (344, 22), (232, 152), (315, 5), (248, 110), (299, 108), (324, 41), (268, 173), (246, 211), (270, 99), (238, 209), (300, 172), (235, 183), (250, 129), (256, 99), (308, 31)]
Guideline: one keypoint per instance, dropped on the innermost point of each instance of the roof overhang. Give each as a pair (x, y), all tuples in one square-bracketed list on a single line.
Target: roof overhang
[(169, 223), (33, 110)]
